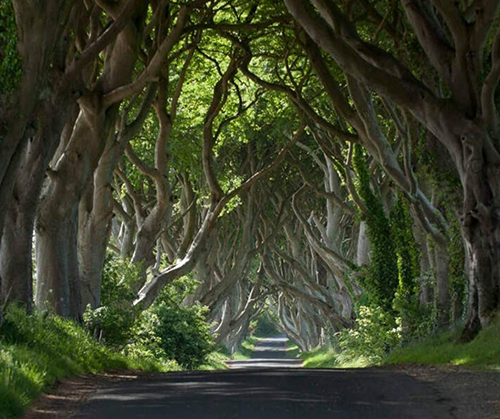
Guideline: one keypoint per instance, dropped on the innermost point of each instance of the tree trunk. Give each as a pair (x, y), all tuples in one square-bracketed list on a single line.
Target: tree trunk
[(93, 236), (15, 255), (483, 243), (74, 170), (16, 250), (442, 286), (481, 233), (363, 248), (53, 244)]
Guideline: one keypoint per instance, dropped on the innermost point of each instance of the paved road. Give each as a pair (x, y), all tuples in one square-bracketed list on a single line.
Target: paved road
[(268, 353), (269, 393)]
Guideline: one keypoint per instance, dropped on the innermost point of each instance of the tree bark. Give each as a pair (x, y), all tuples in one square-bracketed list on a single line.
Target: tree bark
[(57, 256)]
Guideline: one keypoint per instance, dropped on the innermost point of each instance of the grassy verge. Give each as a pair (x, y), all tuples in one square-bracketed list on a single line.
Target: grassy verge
[(484, 351), (327, 357), (292, 350), (246, 348), (216, 361), (37, 350), (444, 349)]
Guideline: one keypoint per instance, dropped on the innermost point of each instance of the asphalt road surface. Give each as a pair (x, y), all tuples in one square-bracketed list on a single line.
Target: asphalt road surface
[(269, 386)]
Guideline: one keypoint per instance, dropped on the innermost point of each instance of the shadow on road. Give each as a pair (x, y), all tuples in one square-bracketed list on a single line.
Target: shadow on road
[(268, 386), (279, 393)]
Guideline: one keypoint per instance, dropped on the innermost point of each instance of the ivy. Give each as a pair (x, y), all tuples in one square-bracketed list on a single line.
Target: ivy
[(406, 301), (382, 276), (406, 247), (10, 61)]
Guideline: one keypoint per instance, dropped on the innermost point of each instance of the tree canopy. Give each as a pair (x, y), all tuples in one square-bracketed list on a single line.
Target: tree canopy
[(302, 158)]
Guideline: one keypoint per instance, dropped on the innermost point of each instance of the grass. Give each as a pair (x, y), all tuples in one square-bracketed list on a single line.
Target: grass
[(292, 350), (327, 357), (216, 361), (483, 351), (246, 348), (37, 350), (444, 349)]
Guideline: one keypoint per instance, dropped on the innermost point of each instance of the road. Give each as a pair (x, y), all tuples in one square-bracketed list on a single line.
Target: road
[(268, 353), (269, 386)]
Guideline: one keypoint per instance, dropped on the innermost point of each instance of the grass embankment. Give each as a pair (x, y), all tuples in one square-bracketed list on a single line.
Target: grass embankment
[(38, 350), (483, 351), (327, 357), (246, 348), (292, 350), (444, 349), (216, 361)]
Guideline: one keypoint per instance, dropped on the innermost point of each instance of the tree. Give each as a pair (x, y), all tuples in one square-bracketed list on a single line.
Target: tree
[(460, 46)]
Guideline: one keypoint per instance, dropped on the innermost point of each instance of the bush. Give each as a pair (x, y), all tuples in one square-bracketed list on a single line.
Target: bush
[(375, 333), (114, 321), (184, 333), (168, 331)]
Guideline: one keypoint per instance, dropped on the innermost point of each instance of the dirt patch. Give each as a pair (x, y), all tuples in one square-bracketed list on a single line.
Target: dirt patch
[(474, 394)]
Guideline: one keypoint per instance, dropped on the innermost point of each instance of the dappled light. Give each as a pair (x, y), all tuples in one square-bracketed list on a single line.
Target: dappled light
[(256, 186)]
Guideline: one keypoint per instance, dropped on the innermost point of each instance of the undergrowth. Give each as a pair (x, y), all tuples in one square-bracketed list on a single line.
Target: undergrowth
[(246, 348), (443, 349), (37, 350), (292, 350), (483, 351), (215, 361)]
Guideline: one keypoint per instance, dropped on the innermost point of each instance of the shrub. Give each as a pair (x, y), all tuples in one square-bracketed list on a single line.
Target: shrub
[(375, 333), (114, 321), (184, 335)]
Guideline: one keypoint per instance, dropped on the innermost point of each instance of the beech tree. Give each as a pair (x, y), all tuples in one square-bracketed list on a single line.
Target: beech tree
[(294, 157), (459, 43)]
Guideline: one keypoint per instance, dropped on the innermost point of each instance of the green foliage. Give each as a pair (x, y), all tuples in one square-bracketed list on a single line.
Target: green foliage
[(215, 361), (444, 349), (483, 351), (10, 62), (375, 333), (321, 357), (168, 331), (292, 350), (246, 348), (381, 280), (265, 326), (456, 269), (38, 349), (114, 321), (184, 333), (171, 331), (406, 301), (406, 247)]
